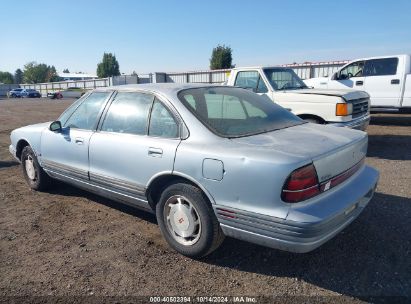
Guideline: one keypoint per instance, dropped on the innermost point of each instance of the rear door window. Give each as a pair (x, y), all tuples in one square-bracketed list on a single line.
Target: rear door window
[(128, 113), (162, 122), (381, 67)]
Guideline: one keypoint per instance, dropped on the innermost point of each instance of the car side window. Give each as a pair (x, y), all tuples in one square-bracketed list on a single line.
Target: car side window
[(354, 69), (128, 113), (251, 80), (381, 67), (162, 122), (86, 114)]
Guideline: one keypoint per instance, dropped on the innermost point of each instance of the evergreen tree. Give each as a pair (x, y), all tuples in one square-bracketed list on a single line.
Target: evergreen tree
[(108, 66), (221, 58)]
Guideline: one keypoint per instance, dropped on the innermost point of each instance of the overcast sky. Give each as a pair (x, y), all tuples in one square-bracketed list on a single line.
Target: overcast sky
[(149, 36)]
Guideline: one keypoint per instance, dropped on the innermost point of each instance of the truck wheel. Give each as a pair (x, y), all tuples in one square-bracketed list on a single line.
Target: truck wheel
[(35, 176), (313, 120), (187, 221)]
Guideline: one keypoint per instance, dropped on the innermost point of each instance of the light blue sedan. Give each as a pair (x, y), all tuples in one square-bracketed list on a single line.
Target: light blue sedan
[(209, 161)]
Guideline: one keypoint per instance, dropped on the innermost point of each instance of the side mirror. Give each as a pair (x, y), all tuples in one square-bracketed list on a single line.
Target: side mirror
[(55, 126)]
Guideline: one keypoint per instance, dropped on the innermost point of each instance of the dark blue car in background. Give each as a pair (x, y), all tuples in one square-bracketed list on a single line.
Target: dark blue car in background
[(19, 92)]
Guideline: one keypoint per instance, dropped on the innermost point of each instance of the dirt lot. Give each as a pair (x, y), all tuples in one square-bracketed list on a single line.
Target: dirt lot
[(68, 243)]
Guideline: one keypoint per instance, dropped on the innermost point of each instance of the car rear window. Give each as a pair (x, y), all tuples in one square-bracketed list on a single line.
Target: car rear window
[(235, 112)]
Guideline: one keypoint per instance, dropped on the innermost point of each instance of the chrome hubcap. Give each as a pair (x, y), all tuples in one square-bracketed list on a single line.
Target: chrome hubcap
[(183, 221), (30, 170)]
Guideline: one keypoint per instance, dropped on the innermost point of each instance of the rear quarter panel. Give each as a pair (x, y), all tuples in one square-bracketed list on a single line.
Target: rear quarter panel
[(251, 181)]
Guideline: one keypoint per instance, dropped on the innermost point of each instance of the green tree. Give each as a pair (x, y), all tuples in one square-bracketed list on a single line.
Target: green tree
[(6, 77), (221, 58), (39, 72), (18, 76), (108, 66), (52, 74), (66, 71)]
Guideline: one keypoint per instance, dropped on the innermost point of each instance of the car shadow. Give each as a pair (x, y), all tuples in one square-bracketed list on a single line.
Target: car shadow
[(391, 120), (371, 257), (8, 163), (392, 147), (64, 189)]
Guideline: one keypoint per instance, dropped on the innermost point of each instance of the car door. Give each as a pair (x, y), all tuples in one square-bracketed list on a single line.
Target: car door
[(66, 152), (382, 82), (349, 77), (137, 140)]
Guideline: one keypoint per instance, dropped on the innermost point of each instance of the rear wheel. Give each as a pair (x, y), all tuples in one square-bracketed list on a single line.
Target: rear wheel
[(35, 176), (187, 221)]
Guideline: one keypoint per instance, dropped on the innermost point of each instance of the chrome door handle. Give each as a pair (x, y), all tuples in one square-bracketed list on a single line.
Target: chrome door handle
[(79, 140), (155, 152)]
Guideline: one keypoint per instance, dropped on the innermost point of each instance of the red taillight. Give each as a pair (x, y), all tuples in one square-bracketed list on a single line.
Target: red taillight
[(301, 185)]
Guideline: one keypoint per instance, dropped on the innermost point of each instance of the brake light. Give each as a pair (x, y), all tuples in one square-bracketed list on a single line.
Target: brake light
[(343, 109), (302, 184)]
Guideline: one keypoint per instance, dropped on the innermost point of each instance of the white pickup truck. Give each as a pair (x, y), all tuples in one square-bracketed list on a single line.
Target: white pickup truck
[(342, 108), (386, 78)]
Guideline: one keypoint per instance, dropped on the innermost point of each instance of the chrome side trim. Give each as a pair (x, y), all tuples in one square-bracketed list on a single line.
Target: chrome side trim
[(103, 191), (118, 184), (64, 169)]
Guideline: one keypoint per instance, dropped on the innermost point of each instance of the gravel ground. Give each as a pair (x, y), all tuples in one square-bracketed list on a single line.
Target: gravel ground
[(70, 243)]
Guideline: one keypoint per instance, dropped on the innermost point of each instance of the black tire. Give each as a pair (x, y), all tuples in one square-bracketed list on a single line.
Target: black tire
[(313, 120), (210, 236), (41, 180)]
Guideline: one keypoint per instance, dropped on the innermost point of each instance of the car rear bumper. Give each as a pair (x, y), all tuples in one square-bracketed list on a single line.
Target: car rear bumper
[(308, 226), (360, 123)]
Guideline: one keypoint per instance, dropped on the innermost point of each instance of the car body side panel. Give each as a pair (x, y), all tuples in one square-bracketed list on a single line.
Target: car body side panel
[(406, 101), (128, 162), (30, 134), (66, 151), (256, 180)]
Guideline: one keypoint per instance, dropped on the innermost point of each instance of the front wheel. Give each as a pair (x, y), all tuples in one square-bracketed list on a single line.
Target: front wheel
[(35, 176), (313, 120), (187, 221)]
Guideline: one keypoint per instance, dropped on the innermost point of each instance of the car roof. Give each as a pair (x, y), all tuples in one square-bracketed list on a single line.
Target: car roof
[(164, 88), (261, 67)]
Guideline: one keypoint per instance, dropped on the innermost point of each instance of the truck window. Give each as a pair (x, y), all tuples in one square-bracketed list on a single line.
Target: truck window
[(354, 69), (381, 67), (284, 79), (251, 80)]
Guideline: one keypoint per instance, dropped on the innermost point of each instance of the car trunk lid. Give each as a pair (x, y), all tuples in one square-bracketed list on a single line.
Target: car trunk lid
[(332, 150)]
